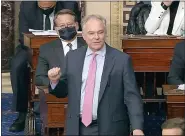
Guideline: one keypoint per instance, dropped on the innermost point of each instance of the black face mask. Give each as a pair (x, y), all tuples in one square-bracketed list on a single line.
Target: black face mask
[(47, 11), (67, 33)]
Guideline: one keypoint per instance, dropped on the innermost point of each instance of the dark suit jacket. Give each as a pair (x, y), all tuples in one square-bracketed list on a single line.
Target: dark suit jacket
[(177, 71), (51, 55), (120, 102), (31, 17)]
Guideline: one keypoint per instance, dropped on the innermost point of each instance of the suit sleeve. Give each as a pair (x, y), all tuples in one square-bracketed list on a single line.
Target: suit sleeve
[(155, 17), (61, 89), (23, 22), (177, 68), (41, 75), (132, 96)]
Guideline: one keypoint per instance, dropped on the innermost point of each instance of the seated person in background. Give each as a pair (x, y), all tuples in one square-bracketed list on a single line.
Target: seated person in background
[(39, 15), (33, 15), (166, 18), (173, 127), (52, 54), (177, 70)]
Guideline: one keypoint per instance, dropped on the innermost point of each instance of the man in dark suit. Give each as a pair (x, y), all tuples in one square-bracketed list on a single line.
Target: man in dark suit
[(33, 15), (52, 54), (103, 97), (177, 70)]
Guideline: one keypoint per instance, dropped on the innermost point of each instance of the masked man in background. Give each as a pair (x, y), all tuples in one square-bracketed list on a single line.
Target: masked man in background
[(53, 54), (36, 15)]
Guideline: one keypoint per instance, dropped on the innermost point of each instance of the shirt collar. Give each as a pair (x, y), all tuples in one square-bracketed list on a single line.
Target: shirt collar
[(74, 42), (101, 52), (52, 13)]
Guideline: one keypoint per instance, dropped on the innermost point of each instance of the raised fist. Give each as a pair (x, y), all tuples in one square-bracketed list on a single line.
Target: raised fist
[(54, 74)]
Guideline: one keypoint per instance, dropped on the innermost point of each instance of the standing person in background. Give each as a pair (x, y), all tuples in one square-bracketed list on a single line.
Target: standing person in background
[(166, 18)]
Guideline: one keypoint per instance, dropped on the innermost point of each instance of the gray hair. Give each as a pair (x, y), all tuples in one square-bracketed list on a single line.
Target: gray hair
[(87, 18), (174, 123)]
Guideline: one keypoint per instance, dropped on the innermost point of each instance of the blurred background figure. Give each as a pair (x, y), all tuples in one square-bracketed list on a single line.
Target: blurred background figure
[(166, 18), (173, 127), (36, 15), (177, 70)]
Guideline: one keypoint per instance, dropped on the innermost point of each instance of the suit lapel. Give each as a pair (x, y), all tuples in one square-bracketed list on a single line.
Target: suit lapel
[(79, 68), (58, 49), (80, 42), (108, 66)]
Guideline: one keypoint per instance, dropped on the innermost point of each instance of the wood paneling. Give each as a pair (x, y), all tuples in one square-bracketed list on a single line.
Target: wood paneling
[(150, 54)]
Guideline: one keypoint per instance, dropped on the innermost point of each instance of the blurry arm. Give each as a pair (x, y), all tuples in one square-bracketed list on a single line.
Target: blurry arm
[(41, 75), (155, 17), (177, 68), (132, 96), (59, 87), (23, 23)]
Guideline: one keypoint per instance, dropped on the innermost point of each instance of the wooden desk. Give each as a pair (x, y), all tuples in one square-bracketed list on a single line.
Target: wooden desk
[(52, 111), (150, 54), (34, 42), (175, 100)]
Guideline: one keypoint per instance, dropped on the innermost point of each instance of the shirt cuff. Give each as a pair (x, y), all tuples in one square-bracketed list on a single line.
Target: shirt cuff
[(53, 85)]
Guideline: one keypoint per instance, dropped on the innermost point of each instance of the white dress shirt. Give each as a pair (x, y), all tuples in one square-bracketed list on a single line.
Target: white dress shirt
[(66, 48), (100, 58)]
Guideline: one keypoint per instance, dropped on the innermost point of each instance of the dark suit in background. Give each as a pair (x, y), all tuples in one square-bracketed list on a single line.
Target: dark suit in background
[(51, 55), (119, 103), (30, 17), (177, 70)]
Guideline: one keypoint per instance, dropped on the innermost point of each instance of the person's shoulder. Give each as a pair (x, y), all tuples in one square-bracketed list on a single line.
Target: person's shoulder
[(180, 46), (77, 52), (118, 53), (81, 41), (49, 45), (27, 5), (80, 50)]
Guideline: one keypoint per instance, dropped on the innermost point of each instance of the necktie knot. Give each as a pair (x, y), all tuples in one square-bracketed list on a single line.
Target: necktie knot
[(94, 55), (70, 46)]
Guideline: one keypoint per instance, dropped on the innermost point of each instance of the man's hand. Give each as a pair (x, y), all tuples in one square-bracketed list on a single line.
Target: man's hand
[(168, 2), (138, 132), (54, 75)]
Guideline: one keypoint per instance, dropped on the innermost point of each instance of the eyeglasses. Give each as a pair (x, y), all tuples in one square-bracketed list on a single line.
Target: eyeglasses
[(64, 26)]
